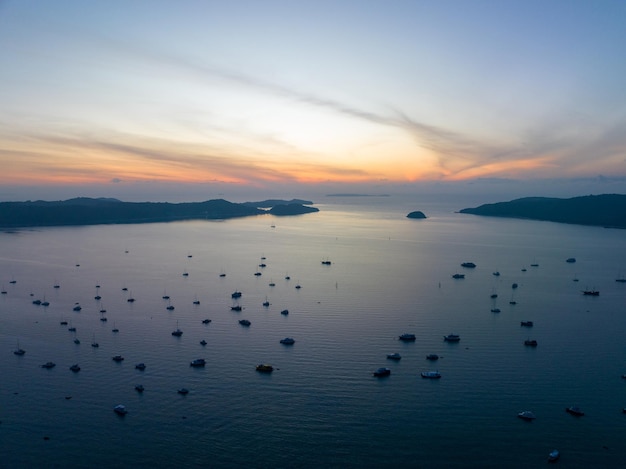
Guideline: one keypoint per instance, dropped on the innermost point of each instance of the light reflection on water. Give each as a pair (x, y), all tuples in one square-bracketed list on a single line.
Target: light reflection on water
[(321, 406)]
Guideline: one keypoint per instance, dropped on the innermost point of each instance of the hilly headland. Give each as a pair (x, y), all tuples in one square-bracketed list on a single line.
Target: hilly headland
[(607, 210)]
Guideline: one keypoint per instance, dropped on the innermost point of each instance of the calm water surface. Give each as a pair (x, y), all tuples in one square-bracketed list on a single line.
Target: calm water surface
[(321, 406)]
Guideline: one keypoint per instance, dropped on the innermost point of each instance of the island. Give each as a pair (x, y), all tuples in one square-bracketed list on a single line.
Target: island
[(417, 215), (269, 203), (90, 211), (607, 210)]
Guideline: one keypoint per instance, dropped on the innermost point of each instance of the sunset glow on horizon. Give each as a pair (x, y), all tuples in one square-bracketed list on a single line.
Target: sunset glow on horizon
[(270, 93)]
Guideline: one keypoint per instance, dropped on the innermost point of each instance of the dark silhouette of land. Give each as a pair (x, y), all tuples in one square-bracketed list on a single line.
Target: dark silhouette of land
[(608, 210), (88, 211), (417, 215)]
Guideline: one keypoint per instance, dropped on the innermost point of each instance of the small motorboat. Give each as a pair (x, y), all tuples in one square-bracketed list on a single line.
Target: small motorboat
[(264, 368), (287, 341), (458, 276), (526, 415), (380, 372), (120, 409), (170, 307), (570, 260), (183, 391), (284, 312), (139, 388), (407, 337), (206, 321), (432, 356), (553, 455), (469, 265), (77, 308), (526, 323), (140, 366), (431, 374), (244, 322), (452, 338), (394, 356), (236, 308), (530, 343), (118, 358), (75, 368), (575, 410), (495, 310), (48, 365), (198, 362), (77, 341)]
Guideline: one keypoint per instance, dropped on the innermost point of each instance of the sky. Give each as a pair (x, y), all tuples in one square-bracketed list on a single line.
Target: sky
[(160, 98)]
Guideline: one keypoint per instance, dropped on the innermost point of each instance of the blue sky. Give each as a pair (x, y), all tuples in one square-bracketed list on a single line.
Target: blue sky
[(260, 94)]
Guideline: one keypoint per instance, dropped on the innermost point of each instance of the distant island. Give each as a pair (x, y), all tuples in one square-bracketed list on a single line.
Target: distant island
[(270, 203), (417, 215), (608, 210), (356, 195), (89, 211)]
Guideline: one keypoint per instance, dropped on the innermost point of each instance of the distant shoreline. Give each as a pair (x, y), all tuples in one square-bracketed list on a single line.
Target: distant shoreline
[(357, 195)]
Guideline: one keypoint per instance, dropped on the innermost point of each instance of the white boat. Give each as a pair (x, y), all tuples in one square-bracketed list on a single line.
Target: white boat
[(431, 374), (554, 455), (120, 409), (526, 415)]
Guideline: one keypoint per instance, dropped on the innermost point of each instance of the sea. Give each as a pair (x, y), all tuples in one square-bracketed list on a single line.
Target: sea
[(366, 274)]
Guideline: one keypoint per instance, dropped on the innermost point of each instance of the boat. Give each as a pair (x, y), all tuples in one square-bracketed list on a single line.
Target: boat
[(140, 366), (272, 284), (298, 287), (19, 351), (177, 332), (118, 358), (196, 301), (326, 262), (591, 293), (198, 362), (63, 322), (75, 368), (115, 329), (452, 338), (76, 341), (120, 409), (469, 265), (431, 374), (103, 319), (203, 342), (94, 343), (77, 307), (380, 372), (206, 321), (170, 307), (553, 455), (266, 303), (139, 388), (257, 274), (287, 341), (496, 273), (236, 308), (495, 310), (244, 322), (48, 365), (512, 302), (494, 295), (514, 286), (432, 356), (526, 415), (407, 337), (262, 265), (394, 356), (183, 391), (575, 410), (284, 312), (570, 260), (264, 368), (530, 343), (458, 276), (236, 294), (526, 323)]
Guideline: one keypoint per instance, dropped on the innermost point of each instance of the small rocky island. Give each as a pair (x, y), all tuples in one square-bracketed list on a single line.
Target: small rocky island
[(607, 210), (89, 211), (417, 215)]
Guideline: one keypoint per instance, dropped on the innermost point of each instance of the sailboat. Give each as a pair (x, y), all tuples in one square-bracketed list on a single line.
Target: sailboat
[(177, 332), (19, 351), (94, 343)]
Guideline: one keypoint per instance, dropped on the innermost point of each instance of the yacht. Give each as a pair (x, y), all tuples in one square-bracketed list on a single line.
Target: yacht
[(120, 409), (554, 455), (75, 368), (431, 374), (380, 372), (206, 321), (575, 410), (526, 323), (19, 351), (407, 337), (198, 362), (264, 368), (394, 356), (140, 366), (458, 276), (287, 341), (139, 388), (118, 358), (452, 338), (432, 356), (469, 265), (203, 342), (526, 415), (48, 365), (244, 322), (530, 343), (183, 391), (236, 294), (284, 312)]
